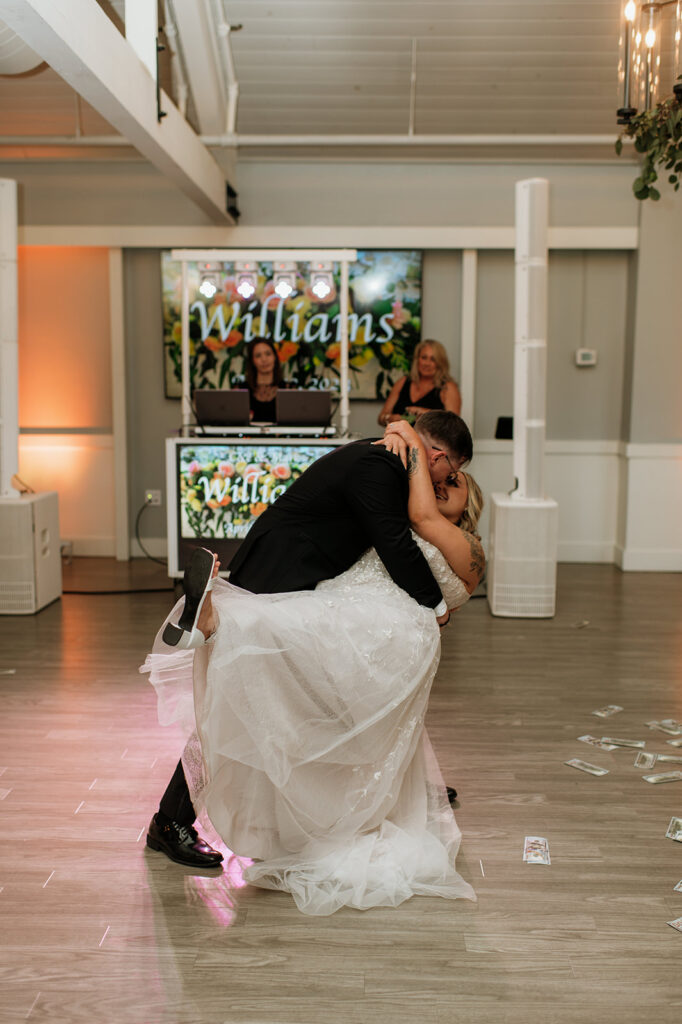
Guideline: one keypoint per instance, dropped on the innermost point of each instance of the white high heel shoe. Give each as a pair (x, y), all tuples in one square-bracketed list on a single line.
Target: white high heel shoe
[(197, 583)]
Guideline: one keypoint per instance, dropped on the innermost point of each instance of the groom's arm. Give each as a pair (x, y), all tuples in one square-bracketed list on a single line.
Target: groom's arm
[(378, 500)]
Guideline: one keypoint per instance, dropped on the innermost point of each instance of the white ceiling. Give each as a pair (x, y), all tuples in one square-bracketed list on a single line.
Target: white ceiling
[(309, 67)]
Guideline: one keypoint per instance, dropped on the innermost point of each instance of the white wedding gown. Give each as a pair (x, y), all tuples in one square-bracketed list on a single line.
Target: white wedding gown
[(307, 746)]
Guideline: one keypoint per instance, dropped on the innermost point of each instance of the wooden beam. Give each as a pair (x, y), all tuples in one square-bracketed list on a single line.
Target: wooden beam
[(78, 40)]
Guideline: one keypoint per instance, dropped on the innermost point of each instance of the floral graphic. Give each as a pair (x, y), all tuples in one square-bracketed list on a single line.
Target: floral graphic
[(224, 488), (384, 325)]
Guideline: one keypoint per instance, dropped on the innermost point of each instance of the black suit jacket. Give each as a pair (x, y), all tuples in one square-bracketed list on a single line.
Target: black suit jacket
[(349, 500)]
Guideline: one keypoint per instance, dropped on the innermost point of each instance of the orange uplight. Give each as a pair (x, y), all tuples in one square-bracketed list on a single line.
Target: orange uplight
[(64, 337)]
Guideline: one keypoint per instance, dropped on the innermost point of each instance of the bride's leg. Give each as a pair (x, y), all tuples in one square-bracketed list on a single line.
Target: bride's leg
[(206, 621)]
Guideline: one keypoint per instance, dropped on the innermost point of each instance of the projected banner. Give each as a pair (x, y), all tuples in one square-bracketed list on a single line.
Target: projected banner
[(384, 325), (224, 488)]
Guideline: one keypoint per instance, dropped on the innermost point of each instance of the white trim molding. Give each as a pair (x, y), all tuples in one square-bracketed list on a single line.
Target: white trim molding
[(306, 237)]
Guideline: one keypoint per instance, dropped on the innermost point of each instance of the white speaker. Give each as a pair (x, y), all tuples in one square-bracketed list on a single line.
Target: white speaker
[(522, 554), (30, 559)]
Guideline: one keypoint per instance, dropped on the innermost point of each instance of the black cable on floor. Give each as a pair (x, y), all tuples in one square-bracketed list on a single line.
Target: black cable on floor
[(159, 561)]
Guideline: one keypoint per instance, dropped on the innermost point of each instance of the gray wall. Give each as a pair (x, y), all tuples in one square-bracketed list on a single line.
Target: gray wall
[(586, 309), (345, 191), (150, 416), (331, 191), (656, 405)]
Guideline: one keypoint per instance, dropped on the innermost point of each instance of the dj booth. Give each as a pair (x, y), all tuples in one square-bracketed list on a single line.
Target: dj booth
[(221, 477), (218, 485)]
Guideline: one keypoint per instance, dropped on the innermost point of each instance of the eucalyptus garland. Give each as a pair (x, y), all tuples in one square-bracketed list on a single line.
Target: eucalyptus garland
[(657, 135)]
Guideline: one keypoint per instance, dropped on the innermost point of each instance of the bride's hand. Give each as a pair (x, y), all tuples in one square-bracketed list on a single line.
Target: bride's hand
[(395, 444), (403, 429)]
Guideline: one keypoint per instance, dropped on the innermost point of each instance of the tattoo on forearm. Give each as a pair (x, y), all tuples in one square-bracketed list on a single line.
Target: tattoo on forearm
[(412, 461), (476, 551)]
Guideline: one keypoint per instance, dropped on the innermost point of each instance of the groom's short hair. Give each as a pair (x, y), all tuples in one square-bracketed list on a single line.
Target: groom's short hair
[(447, 430)]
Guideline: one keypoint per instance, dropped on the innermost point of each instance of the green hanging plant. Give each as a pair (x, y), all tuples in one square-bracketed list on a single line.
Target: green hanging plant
[(657, 136)]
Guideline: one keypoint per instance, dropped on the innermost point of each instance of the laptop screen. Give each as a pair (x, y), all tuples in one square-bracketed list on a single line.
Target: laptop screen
[(217, 408), (302, 407)]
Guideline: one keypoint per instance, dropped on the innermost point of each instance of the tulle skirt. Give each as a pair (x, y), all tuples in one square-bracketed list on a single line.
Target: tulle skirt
[(306, 745)]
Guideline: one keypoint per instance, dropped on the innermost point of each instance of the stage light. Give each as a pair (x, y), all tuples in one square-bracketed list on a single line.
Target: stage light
[(321, 280), (208, 288), (209, 279), (245, 285), (284, 279), (246, 275), (320, 286)]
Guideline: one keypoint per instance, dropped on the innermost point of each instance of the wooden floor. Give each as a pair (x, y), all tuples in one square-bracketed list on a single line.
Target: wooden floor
[(95, 928)]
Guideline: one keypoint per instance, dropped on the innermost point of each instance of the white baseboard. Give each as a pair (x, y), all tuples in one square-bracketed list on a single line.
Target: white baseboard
[(586, 551), (97, 547), (648, 560)]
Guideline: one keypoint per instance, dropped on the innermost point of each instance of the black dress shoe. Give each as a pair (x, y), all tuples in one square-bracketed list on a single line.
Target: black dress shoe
[(452, 794), (182, 844)]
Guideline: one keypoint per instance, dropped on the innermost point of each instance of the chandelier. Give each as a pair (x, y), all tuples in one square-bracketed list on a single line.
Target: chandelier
[(645, 33)]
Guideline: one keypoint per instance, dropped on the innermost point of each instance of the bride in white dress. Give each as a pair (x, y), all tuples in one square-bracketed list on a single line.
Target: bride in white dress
[(307, 748)]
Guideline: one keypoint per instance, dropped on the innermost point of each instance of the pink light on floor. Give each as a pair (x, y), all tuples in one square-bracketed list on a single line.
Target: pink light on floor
[(217, 895)]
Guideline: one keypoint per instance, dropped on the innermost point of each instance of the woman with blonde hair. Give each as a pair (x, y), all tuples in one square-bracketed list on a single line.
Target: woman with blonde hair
[(428, 385)]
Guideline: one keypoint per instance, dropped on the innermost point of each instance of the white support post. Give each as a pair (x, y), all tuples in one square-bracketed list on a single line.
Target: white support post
[(118, 403), (9, 339), (186, 380), (142, 28), (530, 336), (344, 410), (467, 358)]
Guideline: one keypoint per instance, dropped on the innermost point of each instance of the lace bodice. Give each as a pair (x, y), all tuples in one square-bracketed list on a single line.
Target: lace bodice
[(371, 570)]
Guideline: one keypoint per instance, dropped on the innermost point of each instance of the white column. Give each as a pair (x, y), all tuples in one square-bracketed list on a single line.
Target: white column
[(530, 336), (467, 359), (186, 378), (142, 27), (9, 338), (118, 403), (343, 320)]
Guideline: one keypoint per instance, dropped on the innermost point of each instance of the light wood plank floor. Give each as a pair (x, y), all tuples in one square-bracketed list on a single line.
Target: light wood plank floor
[(94, 927)]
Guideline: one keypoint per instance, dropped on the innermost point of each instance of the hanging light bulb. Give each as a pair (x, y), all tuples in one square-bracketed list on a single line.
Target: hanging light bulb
[(677, 54), (651, 55), (626, 48)]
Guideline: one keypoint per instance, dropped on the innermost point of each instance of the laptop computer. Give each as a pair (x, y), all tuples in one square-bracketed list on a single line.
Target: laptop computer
[(303, 407), (215, 408)]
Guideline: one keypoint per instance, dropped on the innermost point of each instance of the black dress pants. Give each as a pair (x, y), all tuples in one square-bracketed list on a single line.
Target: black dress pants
[(175, 802)]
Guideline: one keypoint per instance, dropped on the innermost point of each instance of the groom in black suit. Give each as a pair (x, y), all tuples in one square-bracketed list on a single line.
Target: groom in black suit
[(348, 501)]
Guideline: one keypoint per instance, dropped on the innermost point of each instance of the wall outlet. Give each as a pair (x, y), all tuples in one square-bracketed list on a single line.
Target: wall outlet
[(152, 497)]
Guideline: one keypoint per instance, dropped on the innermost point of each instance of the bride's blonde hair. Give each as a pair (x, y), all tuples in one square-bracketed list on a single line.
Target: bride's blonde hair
[(474, 506)]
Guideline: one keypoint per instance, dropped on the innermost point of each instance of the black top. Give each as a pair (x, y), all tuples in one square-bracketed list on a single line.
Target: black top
[(350, 500), (263, 412), (431, 400)]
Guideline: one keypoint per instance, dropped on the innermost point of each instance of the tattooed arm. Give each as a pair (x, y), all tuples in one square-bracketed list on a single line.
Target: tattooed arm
[(463, 551)]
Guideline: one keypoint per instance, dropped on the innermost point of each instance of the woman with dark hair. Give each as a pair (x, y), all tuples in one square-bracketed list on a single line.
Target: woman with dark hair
[(263, 378)]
